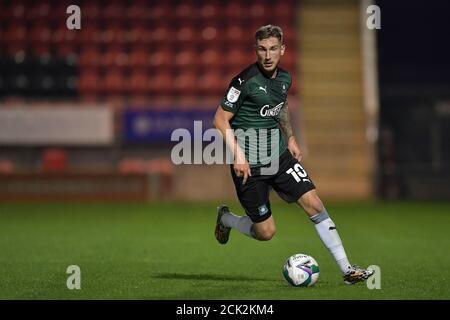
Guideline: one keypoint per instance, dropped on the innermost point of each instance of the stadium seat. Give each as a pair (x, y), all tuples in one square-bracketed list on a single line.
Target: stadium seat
[(88, 83), (6, 166), (212, 83), (54, 160), (186, 60), (162, 59), (139, 34), (113, 82), (162, 84), (211, 59), (235, 12), (131, 165), (139, 57), (185, 83), (135, 41), (209, 13), (139, 82), (114, 56), (186, 12), (90, 57)]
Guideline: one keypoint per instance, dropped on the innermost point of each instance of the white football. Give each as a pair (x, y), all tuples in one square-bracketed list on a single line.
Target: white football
[(301, 270)]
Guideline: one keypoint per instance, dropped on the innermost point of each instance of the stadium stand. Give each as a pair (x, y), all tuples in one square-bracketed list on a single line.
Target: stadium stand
[(123, 44), (159, 55)]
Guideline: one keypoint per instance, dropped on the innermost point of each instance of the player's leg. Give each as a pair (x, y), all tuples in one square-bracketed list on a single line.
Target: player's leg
[(254, 198), (325, 227), (293, 184), (265, 230)]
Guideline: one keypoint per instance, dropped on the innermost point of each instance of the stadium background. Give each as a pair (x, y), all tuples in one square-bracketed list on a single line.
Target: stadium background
[(86, 117)]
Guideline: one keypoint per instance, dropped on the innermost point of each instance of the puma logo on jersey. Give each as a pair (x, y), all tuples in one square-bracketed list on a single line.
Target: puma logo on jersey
[(263, 89), (266, 111), (240, 81)]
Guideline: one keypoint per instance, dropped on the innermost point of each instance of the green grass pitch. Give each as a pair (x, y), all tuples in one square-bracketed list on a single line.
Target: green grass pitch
[(168, 251)]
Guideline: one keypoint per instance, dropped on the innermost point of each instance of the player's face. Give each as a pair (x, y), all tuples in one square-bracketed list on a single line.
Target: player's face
[(269, 52)]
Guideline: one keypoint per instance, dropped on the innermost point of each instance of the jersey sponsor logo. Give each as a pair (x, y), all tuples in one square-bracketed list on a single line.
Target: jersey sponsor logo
[(233, 94), (266, 111)]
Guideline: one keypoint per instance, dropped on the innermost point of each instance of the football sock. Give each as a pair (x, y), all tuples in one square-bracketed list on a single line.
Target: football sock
[(330, 237), (242, 223)]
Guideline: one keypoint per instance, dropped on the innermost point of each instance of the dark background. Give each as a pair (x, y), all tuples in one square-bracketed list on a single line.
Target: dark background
[(414, 83)]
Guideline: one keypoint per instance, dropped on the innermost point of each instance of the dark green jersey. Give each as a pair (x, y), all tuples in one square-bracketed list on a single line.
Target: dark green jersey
[(256, 101)]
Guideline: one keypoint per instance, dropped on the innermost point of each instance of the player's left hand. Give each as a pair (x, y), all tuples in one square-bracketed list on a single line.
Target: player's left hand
[(294, 149)]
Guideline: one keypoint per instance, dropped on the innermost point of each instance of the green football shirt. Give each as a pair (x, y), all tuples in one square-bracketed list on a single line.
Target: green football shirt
[(256, 101)]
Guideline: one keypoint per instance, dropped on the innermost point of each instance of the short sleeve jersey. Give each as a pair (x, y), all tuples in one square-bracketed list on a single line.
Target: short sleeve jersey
[(256, 102)]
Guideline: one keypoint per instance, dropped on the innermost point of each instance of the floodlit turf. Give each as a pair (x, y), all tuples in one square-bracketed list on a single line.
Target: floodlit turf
[(168, 251)]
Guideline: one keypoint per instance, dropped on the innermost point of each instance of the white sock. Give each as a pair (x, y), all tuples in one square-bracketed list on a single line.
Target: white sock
[(244, 224), (326, 229)]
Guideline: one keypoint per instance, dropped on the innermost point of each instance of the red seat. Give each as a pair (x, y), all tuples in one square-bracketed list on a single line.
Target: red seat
[(138, 11), (114, 56), (139, 57), (160, 12), (139, 82), (161, 83), (186, 83), (186, 35), (131, 165), (90, 57), (54, 160), (186, 12), (209, 13), (113, 82), (186, 60), (212, 83), (139, 35), (237, 58), (15, 33), (235, 12), (283, 11), (88, 83), (211, 59), (6, 166), (236, 35), (210, 35), (113, 11), (162, 36), (162, 59)]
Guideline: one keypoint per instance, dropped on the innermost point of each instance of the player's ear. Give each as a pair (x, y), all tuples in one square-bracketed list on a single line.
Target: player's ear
[(283, 47)]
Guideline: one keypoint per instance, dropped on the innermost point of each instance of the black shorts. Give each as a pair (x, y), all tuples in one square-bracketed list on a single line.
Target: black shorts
[(290, 182)]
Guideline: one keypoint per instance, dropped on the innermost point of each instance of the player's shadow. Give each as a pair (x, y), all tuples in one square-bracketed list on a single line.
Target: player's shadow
[(206, 276)]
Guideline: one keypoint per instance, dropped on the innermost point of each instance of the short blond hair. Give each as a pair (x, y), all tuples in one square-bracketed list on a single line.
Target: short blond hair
[(269, 31)]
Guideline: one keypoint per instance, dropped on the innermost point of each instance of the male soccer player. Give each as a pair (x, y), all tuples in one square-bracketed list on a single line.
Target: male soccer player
[(256, 102)]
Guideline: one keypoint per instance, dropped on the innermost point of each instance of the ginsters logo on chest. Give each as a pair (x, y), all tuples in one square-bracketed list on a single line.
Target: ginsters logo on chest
[(267, 111)]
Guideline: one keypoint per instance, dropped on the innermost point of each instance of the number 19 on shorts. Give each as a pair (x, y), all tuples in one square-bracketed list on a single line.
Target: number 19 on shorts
[(298, 173)]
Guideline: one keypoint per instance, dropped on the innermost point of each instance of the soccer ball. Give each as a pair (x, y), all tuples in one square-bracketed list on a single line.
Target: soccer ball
[(301, 270)]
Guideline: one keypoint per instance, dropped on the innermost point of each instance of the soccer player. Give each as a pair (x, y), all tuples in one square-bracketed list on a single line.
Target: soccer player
[(256, 102)]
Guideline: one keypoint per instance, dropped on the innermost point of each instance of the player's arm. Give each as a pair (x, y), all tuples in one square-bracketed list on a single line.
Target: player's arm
[(286, 126), (222, 123)]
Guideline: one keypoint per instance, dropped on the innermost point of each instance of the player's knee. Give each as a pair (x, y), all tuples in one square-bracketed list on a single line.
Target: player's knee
[(265, 234), (311, 203)]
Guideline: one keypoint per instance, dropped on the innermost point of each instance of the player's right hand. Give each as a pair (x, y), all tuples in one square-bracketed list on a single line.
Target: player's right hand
[(242, 168)]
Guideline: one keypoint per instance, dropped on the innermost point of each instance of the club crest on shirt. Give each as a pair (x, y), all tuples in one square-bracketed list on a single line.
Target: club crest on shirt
[(233, 94)]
